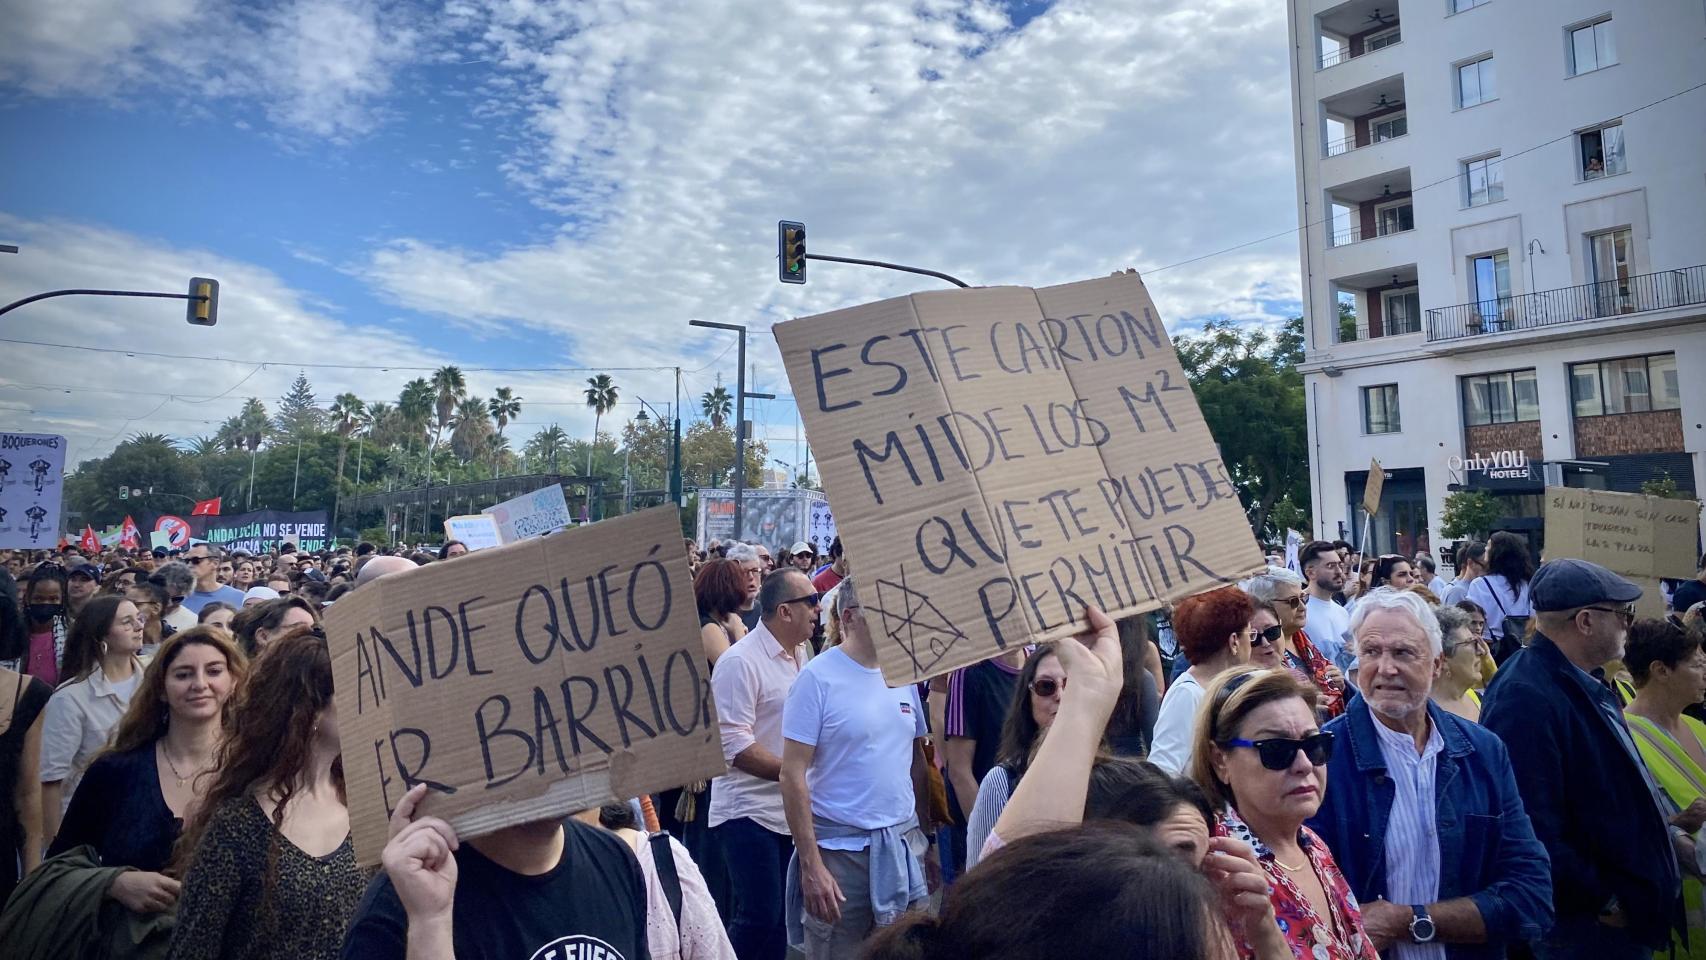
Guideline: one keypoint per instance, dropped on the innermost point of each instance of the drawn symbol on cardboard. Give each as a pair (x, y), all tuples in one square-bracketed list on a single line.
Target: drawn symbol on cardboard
[(912, 621)]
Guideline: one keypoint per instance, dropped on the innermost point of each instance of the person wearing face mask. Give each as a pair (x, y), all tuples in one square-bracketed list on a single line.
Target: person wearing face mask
[(271, 871), (132, 801), (1214, 635), (1422, 806), (49, 624), (1036, 699), (101, 662)]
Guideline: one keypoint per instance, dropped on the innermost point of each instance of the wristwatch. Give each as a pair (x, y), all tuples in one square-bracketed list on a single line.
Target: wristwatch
[(1421, 925)]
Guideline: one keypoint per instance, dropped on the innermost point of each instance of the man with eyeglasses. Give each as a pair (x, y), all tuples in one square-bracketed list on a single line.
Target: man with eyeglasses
[(750, 686), (1422, 809), (1616, 887), (203, 560), (853, 785)]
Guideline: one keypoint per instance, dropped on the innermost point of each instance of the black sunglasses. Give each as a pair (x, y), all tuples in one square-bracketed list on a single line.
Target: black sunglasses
[(1270, 635), (810, 600), (1047, 686), (1278, 753), (1626, 614)]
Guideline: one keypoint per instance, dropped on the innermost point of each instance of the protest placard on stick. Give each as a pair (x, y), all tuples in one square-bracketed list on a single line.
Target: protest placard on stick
[(997, 458), (1639, 537), (525, 681)]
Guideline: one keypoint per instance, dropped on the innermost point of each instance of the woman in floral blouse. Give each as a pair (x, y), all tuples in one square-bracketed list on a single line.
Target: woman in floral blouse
[(1262, 759)]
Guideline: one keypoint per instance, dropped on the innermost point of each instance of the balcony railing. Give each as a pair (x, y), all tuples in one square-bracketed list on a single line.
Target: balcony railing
[(1611, 298), (1335, 57), (1357, 234), (1346, 145)]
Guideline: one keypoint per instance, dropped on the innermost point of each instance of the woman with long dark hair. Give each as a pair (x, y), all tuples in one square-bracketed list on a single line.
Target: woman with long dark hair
[(134, 798), (103, 670), (1036, 699), (22, 698), (1503, 592), (271, 872)]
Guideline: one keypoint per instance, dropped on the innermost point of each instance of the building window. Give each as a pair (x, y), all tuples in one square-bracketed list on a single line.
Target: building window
[(1610, 265), (1509, 397), (1490, 275), (1380, 409), (1403, 312), (1591, 47), (1385, 38), (1601, 151), (1388, 128), (1395, 217), (1477, 82), (1484, 180), (1458, 6), (1629, 385)]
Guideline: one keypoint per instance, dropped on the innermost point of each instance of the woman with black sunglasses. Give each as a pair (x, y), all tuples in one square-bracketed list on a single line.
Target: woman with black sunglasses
[(1036, 699), (1262, 759)]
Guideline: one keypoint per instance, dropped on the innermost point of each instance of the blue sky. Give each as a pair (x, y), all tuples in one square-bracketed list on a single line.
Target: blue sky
[(533, 183)]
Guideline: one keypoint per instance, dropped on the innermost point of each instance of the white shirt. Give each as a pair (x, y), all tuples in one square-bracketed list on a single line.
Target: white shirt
[(1412, 831), (75, 725), (1493, 594), (750, 684), (1437, 585), (1170, 748), (1329, 628), (862, 731)]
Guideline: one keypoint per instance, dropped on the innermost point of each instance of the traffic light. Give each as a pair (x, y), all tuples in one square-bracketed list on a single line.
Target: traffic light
[(204, 302), (791, 251)]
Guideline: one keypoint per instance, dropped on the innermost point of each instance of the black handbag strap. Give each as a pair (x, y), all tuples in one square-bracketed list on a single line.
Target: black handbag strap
[(663, 857)]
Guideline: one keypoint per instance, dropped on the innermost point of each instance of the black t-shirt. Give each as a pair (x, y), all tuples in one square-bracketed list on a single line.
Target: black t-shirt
[(978, 699), (592, 906), (1687, 596)]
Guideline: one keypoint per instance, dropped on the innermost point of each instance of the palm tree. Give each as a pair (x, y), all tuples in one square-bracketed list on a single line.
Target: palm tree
[(449, 387), (546, 445), (472, 427), (415, 410), (347, 414), (717, 405), (149, 440), (380, 419), (601, 397), (504, 407), (253, 424), (203, 446), (230, 434)]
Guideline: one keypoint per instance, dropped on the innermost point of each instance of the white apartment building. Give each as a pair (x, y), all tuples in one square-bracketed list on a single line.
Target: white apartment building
[(1504, 258)]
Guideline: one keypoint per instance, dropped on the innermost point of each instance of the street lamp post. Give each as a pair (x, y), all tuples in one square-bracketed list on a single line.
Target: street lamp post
[(740, 410), (674, 446)]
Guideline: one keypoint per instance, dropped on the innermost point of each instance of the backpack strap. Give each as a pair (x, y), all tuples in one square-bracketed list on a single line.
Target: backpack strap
[(663, 858)]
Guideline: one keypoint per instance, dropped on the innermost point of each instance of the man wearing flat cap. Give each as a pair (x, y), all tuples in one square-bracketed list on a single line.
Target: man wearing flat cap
[(1616, 887)]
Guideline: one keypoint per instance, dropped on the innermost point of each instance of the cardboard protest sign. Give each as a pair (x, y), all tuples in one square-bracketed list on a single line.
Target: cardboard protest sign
[(1641, 538), (477, 530), (525, 681), (1373, 488), (531, 514), (998, 458)]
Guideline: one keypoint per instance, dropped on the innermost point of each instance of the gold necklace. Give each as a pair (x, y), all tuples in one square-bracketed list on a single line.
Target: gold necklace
[(1277, 860), (198, 771)]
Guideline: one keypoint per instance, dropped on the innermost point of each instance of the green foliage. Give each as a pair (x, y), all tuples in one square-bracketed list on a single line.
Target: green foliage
[(298, 414), (1251, 395), (1664, 485), (717, 405), (1470, 513)]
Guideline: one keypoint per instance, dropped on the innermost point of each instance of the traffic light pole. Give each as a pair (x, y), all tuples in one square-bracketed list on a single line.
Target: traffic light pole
[(741, 397), (956, 281), (97, 293)]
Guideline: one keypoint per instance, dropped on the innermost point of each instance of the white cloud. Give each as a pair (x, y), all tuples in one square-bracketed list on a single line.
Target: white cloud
[(671, 138), (319, 67)]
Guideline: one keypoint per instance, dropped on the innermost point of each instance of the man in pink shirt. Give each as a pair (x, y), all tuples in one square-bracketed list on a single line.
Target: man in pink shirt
[(751, 683)]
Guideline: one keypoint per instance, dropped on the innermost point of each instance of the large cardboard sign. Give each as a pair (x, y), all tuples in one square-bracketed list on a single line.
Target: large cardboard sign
[(525, 681), (32, 468), (1000, 457), (1640, 537), (531, 514)]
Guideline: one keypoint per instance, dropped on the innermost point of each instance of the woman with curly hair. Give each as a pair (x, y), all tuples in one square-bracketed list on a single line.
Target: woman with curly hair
[(271, 872), (133, 800)]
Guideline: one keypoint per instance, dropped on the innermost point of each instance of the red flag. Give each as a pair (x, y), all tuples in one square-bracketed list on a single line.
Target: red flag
[(90, 543), (206, 508), (129, 537)]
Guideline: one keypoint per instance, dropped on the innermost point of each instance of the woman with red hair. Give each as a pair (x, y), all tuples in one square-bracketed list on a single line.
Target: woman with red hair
[(1213, 630)]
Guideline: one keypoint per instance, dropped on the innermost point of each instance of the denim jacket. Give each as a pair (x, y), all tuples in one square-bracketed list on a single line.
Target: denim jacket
[(1488, 851)]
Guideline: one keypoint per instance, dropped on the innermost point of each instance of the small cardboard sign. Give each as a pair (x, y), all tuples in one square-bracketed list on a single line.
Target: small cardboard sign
[(531, 514), (524, 682), (1000, 457), (1639, 537), (1372, 489), (477, 530), (159, 538)]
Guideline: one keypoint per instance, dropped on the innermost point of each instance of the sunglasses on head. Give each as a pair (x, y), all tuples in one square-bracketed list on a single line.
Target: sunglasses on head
[(1277, 753), (1047, 686)]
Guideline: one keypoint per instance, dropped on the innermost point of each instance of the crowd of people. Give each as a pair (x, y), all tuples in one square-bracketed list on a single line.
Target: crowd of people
[(1349, 759)]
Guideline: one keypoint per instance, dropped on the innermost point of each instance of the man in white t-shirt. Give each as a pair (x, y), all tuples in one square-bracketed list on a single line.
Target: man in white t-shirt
[(852, 771), (1329, 624)]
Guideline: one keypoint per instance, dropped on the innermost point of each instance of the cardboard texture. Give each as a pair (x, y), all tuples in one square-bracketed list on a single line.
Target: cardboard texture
[(525, 681), (477, 530), (531, 514), (997, 458), (1373, 488), (1639, 537)]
